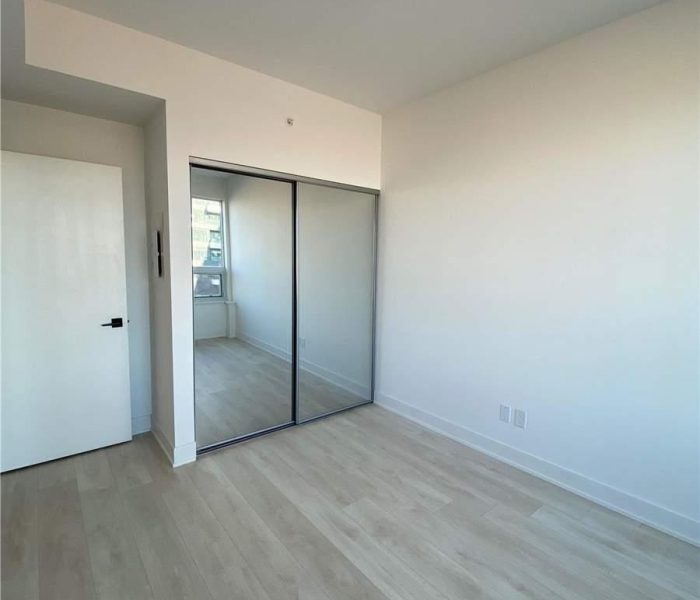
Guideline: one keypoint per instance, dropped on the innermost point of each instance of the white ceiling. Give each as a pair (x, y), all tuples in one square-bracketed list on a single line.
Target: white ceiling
[(23, 83), (372, 53)]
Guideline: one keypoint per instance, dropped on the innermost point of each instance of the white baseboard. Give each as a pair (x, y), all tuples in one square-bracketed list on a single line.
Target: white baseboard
[(140, 424), (656, 516), (336, 379), (258, 343), (182, 455), (178, 455), (330, 376)]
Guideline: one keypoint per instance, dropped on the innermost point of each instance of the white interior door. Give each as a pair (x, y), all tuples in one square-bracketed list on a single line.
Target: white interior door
[(65, 378)]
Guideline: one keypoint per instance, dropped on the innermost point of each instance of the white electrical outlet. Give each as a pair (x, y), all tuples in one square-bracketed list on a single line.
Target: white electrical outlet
[(504, 413), (520, 418)]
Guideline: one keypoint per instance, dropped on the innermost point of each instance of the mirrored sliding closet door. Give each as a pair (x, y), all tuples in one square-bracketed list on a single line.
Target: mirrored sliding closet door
[(283, 274), (242, 257), (335, 295)]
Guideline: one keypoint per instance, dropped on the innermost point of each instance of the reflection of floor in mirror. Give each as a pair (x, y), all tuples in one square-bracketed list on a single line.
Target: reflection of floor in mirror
[(240, 389)]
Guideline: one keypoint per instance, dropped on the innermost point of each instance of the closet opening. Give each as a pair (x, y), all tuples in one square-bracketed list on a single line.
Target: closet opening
[(283, 293)]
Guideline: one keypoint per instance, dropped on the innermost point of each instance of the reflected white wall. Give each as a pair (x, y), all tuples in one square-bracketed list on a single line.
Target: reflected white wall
[(260, 261), (336, 263)]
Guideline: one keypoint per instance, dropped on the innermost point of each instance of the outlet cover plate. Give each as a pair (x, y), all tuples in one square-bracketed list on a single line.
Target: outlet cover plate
[(520, 418), (504, 413)]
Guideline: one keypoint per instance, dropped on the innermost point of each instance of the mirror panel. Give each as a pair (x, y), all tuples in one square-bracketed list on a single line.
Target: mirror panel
[(335, 291), (242, 287)]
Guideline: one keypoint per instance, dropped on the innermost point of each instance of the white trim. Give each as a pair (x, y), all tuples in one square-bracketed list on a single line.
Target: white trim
[(205, 197), (211, 300), (178, 455), (140, 424), (330, 376), (658, 517), (337, 379), (258, 343), (185, 454)]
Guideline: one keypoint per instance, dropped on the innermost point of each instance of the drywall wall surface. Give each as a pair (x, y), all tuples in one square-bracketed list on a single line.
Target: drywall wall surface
[(210, 320), (212, 185), (156, 178), (260, 242), (539, 248), (215, 110), (220, 110), (47, 132)]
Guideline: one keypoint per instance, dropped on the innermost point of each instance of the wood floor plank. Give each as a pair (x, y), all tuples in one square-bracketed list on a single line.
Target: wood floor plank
[(127, 466), (93, 471), (266, 556), (340, 480), (20, 544), (425, 487), (484, 486), (226, 573), (64, 560), (656, 551), (396, 484), (447, 481), (318, 557), (55, 472), (428, 561), (583, 560), (362, 505), (683, 584), (114, 555), (171, 570), (388, 573), (495, 555)]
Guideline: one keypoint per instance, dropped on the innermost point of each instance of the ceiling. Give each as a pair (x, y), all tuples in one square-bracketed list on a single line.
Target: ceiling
[(24, 83), (376, 54)]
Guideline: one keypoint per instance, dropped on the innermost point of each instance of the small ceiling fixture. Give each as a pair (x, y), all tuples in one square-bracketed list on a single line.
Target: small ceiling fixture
[(290, 121)]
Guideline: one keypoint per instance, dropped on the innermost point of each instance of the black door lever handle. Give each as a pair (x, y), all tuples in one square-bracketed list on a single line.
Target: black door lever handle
[(115, 322)]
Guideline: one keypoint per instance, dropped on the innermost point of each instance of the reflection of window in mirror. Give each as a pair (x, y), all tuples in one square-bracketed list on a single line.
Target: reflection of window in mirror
[(208, 243)]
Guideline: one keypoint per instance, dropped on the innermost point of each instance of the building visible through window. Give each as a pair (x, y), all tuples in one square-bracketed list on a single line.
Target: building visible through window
[(208, 257)]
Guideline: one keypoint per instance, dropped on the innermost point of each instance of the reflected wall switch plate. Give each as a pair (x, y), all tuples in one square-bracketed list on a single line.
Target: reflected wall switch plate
[(302, 342), (520, 418), (504, 413)]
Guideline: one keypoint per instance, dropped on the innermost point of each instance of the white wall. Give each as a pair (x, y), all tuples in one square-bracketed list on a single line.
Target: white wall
[(209, 184), (210, 319), (156, 180), (217, 110), (47, 132), (260, 241), (539, 248)]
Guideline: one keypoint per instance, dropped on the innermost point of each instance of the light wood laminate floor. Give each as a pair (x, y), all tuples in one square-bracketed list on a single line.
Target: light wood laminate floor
[(361, 505), (241, 389)]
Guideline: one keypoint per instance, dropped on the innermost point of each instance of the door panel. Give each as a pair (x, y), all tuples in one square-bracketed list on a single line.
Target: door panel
[(243, 354), (65, 378), (335, 258)]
